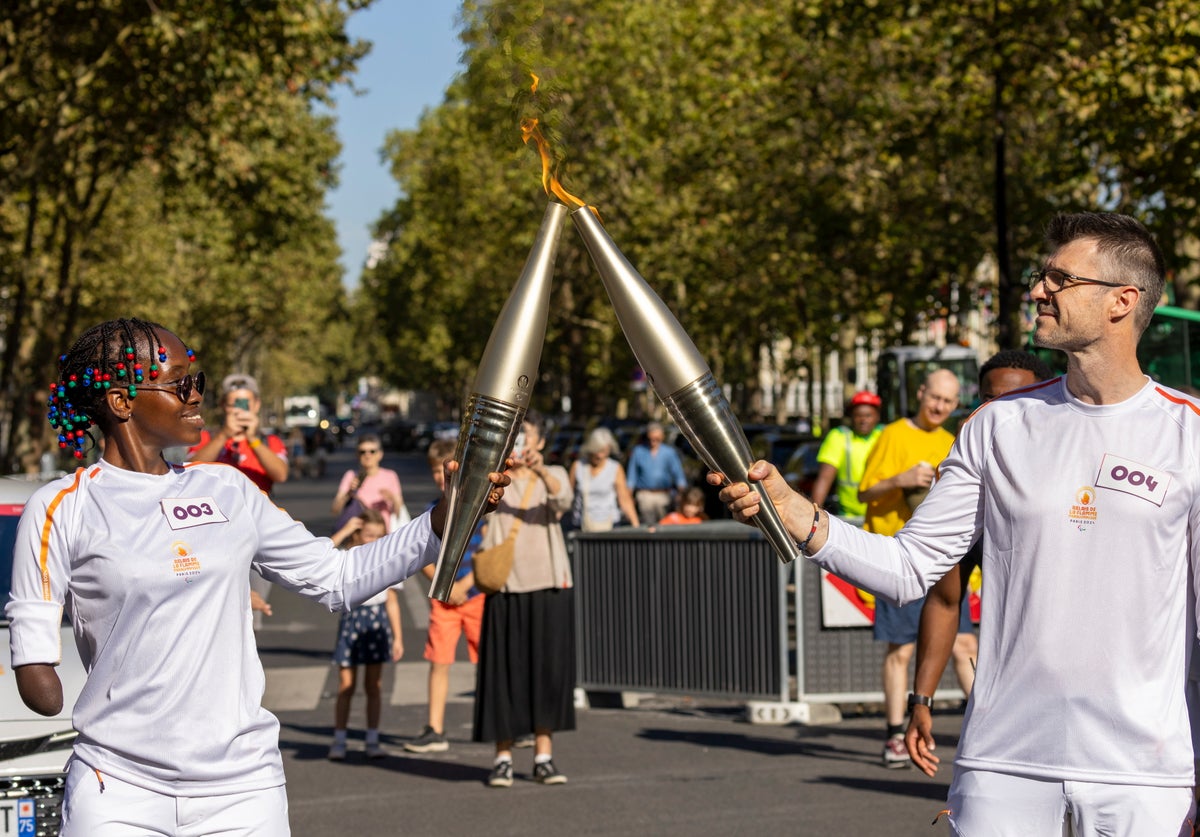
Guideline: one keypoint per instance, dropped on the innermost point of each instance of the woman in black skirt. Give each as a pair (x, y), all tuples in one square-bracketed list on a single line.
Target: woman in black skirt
[(525, 679)]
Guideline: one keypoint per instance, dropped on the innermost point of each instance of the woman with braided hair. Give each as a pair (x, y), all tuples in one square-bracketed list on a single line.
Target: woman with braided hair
[(150, 559)]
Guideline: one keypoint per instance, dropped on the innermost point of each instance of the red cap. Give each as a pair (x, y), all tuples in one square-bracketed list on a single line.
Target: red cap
[(864, 397)]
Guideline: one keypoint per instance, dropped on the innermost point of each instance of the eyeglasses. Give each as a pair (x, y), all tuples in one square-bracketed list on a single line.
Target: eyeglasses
[(368, 451), (182, 388), (1056, 280)]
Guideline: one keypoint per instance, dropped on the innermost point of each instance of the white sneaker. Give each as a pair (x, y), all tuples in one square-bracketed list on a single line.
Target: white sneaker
[(374, 750), (337, 751), (895, 754)]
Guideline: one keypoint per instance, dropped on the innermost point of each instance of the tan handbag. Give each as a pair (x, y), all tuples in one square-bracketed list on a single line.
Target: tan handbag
[(492, 565)]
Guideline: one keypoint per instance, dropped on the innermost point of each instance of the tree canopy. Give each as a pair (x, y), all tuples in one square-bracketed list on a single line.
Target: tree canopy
[(791, 174), (791, 178), (167, 162)]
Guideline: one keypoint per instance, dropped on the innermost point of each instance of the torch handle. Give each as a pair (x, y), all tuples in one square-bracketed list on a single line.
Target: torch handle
[(704, 416), (489, 428)]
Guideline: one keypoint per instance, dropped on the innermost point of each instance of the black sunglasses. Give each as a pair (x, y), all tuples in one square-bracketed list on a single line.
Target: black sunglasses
[(182, 388)]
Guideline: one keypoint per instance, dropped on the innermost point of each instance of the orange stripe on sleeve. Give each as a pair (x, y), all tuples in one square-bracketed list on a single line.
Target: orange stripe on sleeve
[(43, 556), (1176, 400)]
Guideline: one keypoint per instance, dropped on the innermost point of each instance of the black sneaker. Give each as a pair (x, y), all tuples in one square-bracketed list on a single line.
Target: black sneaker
[(523, 741), (501, 776), (547, 774), (428, 741)]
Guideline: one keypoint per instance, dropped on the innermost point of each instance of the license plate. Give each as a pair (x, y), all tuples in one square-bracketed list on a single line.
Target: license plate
[(17, 816)]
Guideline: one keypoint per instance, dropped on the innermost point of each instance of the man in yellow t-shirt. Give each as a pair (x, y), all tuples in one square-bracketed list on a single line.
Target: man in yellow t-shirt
[(899, 472)]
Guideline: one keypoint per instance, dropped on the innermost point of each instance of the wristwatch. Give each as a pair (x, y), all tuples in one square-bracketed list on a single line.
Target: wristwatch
[(924, 700)]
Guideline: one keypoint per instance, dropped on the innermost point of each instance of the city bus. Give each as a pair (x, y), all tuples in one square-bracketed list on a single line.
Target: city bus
[(1169, 351), (902, 370)]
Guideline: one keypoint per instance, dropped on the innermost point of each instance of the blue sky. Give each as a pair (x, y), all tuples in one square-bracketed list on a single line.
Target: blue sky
[(414, 57)]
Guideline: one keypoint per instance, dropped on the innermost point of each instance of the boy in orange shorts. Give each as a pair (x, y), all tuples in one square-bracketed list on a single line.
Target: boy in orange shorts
[(463, 615)]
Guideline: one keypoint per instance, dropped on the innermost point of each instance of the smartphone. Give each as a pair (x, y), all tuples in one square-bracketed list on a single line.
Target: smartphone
[(241, 403), (519, 446)]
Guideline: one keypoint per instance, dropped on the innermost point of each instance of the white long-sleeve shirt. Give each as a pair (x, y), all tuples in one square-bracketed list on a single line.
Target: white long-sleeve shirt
[(154, 572), (1090, 519)]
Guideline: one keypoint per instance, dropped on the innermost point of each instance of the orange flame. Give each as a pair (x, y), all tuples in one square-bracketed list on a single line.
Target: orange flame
[(531, 131)]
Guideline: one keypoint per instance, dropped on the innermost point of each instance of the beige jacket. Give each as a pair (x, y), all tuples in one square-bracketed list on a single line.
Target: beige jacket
[(540, 560)]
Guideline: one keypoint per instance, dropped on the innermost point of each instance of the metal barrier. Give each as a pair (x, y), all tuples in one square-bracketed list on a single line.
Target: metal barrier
[(705, 610), (698, 609)]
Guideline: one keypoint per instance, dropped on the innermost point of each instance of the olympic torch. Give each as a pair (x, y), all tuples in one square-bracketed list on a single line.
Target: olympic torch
[(498, 399), (678, 373)]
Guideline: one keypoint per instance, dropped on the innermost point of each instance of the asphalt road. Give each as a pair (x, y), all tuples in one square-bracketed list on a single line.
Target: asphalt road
[(671, 766)]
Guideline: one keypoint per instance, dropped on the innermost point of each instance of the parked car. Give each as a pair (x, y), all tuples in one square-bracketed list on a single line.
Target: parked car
[(777, 446), (801, 469), (562, 446), (33, 748), (399, 434), (446, 431)]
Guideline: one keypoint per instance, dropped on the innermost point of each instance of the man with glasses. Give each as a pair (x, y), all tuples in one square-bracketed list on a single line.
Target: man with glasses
[(655, 474), (1085, 491)]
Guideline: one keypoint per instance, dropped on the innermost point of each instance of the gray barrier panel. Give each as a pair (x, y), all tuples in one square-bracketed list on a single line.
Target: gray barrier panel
[(698, 609)]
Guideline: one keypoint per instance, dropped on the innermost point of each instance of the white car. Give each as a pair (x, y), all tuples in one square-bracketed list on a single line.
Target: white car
[(33, 748)]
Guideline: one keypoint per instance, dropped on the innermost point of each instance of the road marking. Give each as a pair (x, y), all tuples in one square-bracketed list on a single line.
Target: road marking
[(294, 689), (300, 688), (417, 603), (411, 684)]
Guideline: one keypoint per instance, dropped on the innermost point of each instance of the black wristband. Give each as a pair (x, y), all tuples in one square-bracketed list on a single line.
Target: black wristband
[(816, 521), (924, 700)]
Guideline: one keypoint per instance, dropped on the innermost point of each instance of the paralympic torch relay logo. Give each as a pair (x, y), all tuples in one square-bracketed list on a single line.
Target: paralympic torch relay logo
[(1083, 512)]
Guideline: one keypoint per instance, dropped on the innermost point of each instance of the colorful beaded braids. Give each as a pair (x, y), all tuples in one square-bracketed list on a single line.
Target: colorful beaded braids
[(105, 356)]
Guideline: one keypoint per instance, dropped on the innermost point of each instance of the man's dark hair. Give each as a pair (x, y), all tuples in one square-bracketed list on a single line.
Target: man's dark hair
[(1014, 359), (1127, 249)]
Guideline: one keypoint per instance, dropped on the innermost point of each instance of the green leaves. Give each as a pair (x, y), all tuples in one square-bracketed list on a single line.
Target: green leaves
[(795, 175), (165, 162)]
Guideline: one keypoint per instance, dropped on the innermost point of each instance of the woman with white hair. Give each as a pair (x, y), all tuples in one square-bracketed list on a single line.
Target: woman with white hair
[(601, 492)]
